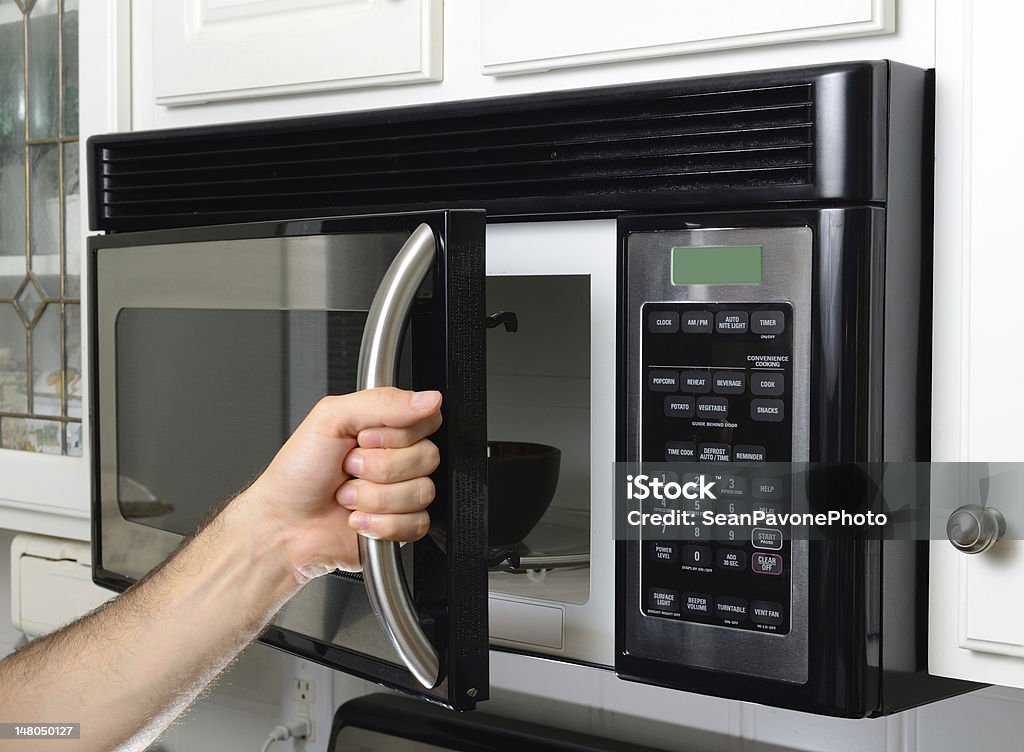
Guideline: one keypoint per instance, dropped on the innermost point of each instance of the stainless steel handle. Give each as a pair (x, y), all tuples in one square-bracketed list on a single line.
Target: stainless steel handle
[(973, 528), (378, 359)]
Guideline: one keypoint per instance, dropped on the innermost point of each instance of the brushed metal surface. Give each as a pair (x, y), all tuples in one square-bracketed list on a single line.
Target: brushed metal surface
[(378, 363), (787, 278)]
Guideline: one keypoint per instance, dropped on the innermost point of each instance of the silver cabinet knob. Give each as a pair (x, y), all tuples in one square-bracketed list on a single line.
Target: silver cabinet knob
[(973, 529)]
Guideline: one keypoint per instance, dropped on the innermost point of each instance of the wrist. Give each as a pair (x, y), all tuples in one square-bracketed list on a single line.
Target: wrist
[(269, 541)]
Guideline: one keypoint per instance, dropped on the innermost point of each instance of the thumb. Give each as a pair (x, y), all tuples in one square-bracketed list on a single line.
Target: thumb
[(348, 414)]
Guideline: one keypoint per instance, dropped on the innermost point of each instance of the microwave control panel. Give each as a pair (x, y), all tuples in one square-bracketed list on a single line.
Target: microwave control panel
[(716, 400)]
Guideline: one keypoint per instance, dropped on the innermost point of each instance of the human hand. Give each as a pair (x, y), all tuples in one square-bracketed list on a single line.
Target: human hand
[(357, 463)]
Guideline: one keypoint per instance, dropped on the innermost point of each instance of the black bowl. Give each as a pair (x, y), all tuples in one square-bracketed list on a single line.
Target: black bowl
[(521, 482)]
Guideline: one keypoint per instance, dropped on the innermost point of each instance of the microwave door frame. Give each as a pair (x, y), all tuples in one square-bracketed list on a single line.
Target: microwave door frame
[(159, 270)]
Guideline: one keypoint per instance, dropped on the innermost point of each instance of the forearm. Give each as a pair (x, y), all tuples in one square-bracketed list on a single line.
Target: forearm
[(126, 671)]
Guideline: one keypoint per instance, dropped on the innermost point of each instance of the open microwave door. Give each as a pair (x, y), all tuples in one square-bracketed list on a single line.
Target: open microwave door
[(211, 344)]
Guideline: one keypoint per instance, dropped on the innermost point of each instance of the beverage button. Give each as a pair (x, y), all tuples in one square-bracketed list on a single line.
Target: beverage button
[(712, 407), (748, 453), (729, 382), (666, 552), (732, 322), (659, 380), (762, 563), (767, 383), (663, 322), (663, 599), (766, 612), (733, 559), (680, 451), (678, 407), (767, 488), (770, 410), (767, 538), (697, 604), (731, 609), (696, 322), (713, 452), (768, 322), (698, 557), (695, 382)]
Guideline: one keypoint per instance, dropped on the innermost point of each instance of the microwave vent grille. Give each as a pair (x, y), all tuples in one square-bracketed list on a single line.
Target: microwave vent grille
[(626, 148)]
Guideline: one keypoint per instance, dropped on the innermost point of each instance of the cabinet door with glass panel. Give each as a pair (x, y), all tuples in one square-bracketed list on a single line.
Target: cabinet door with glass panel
[(40, 240)]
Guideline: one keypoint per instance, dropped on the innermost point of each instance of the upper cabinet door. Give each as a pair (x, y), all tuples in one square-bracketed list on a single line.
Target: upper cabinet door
[(537, 35), (209, 50), (976, 625)]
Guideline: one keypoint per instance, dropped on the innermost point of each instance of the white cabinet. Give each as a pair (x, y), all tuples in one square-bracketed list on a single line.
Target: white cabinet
[(207, 50), (976, 621), (519, 36)]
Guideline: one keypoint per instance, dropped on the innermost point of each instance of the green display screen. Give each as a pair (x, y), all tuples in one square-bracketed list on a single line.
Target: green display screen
[(718, 265)]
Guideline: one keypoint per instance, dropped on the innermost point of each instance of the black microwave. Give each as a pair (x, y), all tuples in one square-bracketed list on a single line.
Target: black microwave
[(235, 280)]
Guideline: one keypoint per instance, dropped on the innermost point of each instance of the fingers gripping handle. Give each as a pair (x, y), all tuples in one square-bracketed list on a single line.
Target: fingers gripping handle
[(378, 359)]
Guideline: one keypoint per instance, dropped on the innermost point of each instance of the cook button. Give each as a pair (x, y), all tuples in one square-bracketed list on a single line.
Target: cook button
[(713, 453), (762, 563), (767, 383), (679, 407), (662, 381), (680, 451), (748, 453), (734, 559), (663, 322), (663, 599), (732, 322), (766, 612), (696, 322), (697, 604), (729, 382), (732, 609), (768, 322), (697, 382), (712, 407), (771, 410), (764, 537)]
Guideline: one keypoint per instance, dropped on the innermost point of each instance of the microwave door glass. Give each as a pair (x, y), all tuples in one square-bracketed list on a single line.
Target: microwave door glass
[(207, 396)]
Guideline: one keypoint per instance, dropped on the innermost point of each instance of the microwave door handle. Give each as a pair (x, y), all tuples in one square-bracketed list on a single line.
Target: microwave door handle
[(378, 359)]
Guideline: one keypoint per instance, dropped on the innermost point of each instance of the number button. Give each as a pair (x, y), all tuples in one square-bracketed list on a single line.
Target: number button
[(697, 557)]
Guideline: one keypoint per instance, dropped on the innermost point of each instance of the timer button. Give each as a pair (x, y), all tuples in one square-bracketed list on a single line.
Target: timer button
[(768, 322), (663, 322), (732, 322)]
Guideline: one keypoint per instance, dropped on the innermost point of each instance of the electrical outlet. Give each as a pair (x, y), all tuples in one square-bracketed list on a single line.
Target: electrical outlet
[(309, 694)]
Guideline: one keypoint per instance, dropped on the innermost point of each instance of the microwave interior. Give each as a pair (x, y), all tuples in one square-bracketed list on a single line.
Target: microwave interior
[(538, 393)]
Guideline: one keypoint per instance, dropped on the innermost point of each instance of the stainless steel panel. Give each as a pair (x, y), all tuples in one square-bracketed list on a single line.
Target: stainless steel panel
[(787, 278), (323, 272)]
